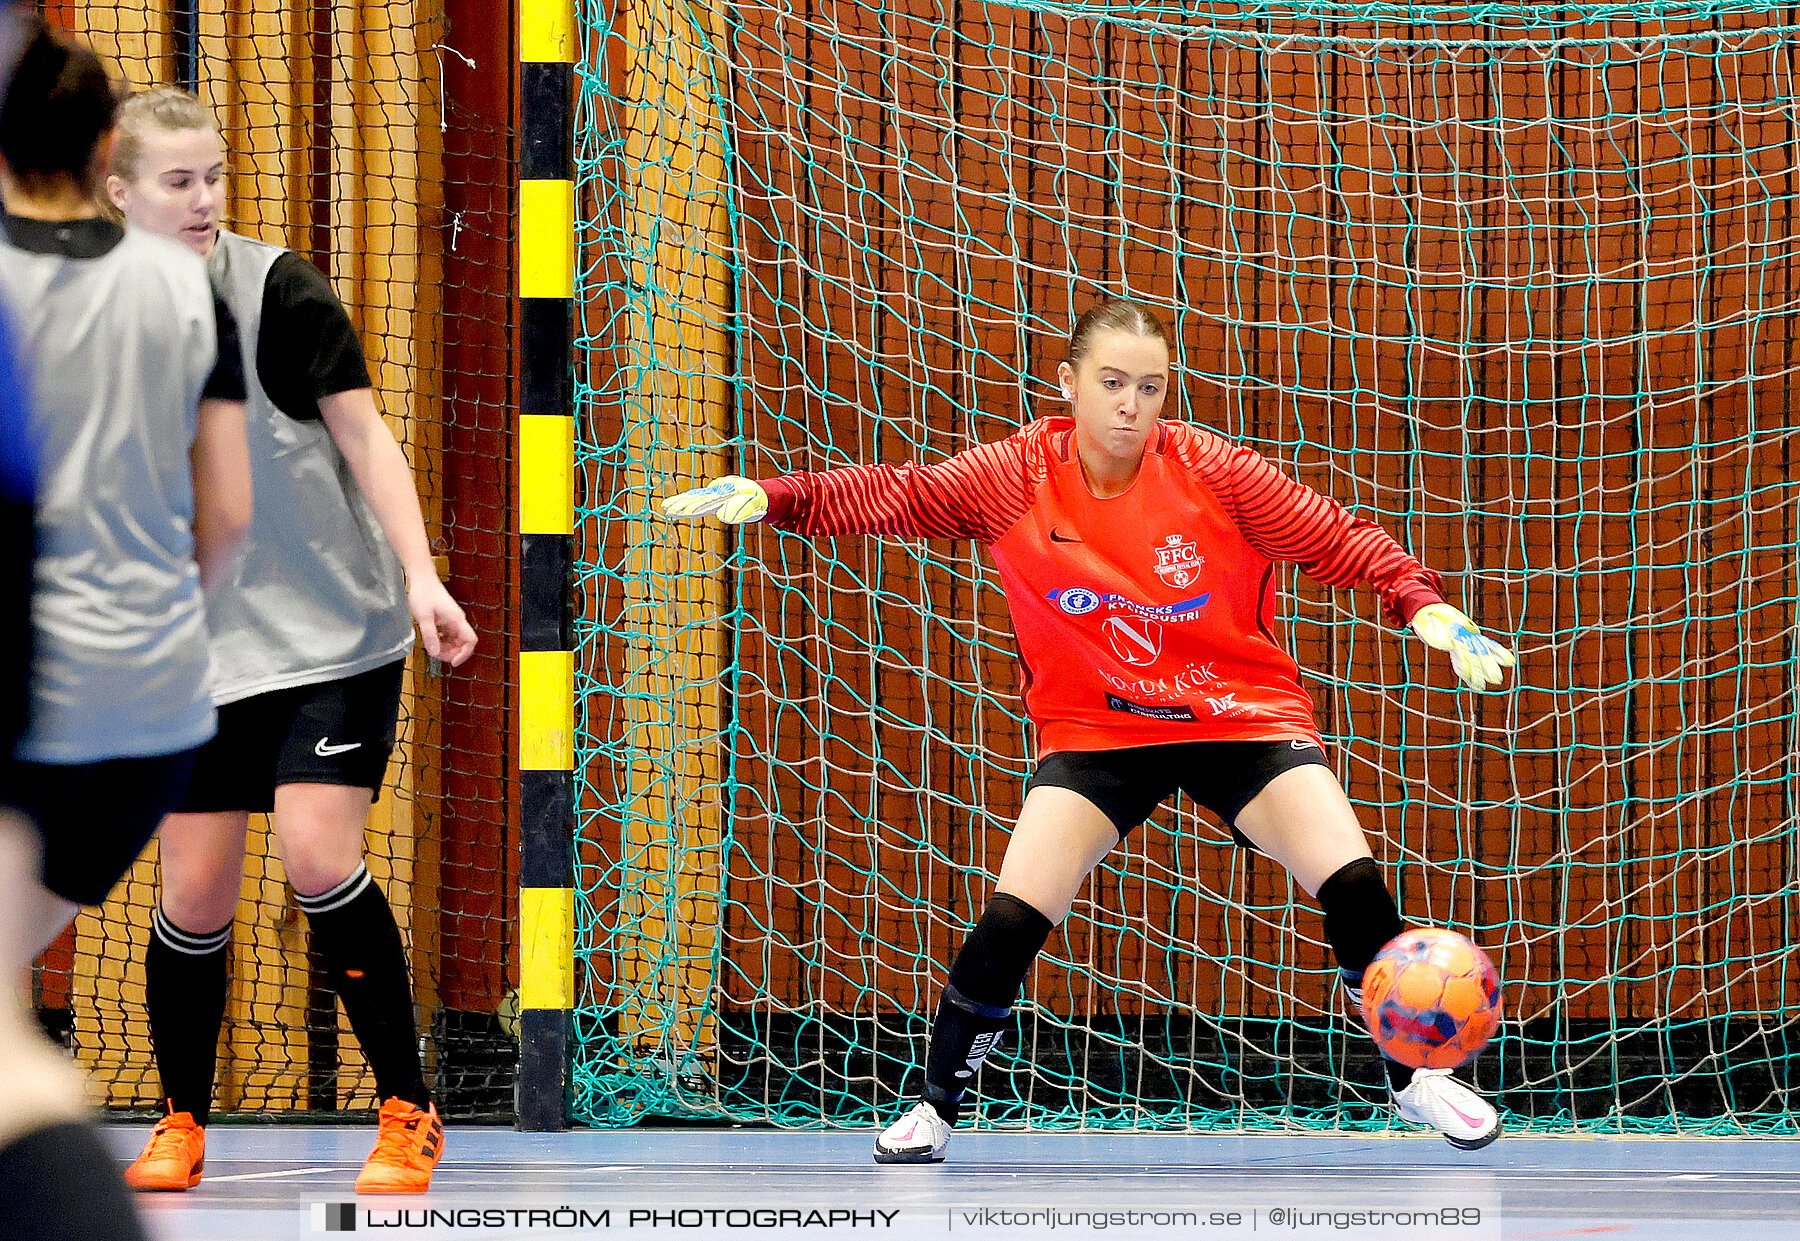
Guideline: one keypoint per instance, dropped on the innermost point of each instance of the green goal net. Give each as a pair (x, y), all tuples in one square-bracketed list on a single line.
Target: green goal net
[(1519, 283)]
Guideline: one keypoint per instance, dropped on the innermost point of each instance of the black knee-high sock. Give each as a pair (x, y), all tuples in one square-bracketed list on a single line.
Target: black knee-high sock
[(977, 1003), (185, 980), (353, 928), (60, 1183), (1360, 918)]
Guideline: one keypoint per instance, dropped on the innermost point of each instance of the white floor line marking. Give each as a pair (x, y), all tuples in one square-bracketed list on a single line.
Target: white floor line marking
[(270, 1176), (1434, 1172), (1613, 1181)]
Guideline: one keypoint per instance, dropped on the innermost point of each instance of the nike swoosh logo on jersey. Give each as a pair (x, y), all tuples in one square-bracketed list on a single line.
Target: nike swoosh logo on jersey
[(326, 751), (1056, 537)]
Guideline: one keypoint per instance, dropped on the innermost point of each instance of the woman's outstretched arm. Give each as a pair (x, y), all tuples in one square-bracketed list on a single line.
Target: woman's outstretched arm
[(1288, 521), (977, 494)]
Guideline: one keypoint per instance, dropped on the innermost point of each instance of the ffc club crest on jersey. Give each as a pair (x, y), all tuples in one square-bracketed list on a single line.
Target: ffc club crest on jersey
[(1178, 561)]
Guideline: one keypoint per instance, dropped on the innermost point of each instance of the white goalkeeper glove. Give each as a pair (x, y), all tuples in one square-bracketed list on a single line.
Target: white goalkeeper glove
[(1476, 658), (731, 499)]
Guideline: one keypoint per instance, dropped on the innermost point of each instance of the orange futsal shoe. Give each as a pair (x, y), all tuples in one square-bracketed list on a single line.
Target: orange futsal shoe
[(174, 1157), (410, 1144)]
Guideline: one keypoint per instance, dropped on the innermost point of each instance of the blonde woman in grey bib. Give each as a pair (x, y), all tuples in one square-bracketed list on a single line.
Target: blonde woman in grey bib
[(309, 641)]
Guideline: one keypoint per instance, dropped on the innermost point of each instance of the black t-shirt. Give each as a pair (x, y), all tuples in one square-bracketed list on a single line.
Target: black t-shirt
[(307, 348), (92, 237), (226, 383)]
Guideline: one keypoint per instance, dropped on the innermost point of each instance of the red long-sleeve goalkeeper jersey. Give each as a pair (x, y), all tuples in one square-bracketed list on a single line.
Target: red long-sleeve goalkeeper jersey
[(1143, 618)]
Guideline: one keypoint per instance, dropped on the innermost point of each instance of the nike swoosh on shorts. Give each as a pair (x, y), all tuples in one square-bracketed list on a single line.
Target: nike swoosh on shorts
[(326, 751)]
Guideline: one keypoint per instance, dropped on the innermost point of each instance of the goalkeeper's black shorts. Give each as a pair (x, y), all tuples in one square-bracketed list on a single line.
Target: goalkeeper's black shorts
[(1223, 776)]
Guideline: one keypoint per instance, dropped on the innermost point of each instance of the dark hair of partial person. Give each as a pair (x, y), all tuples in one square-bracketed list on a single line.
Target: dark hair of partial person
[(1114, 314), (59, 110)]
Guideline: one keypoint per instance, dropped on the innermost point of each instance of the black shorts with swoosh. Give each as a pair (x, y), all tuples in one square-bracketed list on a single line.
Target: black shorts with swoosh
[(334, 732)]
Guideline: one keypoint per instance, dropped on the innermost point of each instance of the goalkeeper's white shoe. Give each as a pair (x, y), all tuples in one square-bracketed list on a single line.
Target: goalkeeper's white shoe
[(1467, 1121), (917, 1137)]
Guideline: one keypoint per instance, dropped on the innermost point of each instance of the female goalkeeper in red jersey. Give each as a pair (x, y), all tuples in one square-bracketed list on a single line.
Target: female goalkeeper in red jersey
[(1137, 556)]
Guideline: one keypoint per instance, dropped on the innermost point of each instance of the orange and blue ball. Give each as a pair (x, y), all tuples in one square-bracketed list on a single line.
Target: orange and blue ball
[(1431, 999)]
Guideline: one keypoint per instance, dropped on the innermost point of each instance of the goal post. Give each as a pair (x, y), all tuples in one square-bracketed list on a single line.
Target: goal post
[(1520, 289)]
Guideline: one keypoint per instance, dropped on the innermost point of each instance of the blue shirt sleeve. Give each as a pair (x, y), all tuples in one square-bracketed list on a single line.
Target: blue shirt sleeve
[(18, 467), (18, 490)]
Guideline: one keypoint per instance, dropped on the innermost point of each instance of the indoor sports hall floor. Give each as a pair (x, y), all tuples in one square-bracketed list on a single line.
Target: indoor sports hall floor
[(263, 1182)]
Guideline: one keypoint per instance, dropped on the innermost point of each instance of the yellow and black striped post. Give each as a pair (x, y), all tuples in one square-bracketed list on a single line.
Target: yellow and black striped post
[(546, 529)]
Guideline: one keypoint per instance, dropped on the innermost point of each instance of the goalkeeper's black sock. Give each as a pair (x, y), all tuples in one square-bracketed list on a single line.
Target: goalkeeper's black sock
[(962, 1035), (354, 930), (1360, 918), (59, 1183), (977, 1003)]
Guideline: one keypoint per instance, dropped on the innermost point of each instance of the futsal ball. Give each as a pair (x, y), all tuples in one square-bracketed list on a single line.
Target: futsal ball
[(1431, 999)]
